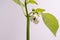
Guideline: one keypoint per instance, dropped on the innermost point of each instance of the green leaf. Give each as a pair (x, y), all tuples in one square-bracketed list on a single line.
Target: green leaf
[(51, 22), (32, 2), (19, 2), (40, 10)]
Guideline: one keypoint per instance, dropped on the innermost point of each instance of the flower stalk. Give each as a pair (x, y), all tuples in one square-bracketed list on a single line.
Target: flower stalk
[(28, 23)]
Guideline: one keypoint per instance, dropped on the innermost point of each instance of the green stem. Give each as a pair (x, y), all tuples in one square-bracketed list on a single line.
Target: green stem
[(28, 23)]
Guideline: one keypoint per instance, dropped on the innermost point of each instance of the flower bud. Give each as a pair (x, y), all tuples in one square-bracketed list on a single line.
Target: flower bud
[(33, 9)]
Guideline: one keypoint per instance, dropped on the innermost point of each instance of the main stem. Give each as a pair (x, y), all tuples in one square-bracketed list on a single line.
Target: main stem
[(28, 23)]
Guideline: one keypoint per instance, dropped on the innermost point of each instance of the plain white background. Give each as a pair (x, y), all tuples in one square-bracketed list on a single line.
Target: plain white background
[(13, 22)]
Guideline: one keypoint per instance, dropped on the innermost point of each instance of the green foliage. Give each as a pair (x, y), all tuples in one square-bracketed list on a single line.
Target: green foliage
[(32, 2), (40, 10), (19, 2), (51, 22)]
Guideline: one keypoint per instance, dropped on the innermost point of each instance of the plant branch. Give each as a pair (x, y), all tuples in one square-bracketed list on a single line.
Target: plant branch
[(23, 10), (28, 23)]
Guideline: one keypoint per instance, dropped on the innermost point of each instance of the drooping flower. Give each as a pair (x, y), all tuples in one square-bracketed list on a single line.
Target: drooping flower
[(34, 19)]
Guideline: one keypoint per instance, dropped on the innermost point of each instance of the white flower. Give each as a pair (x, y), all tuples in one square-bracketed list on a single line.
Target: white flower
[(34, 19)]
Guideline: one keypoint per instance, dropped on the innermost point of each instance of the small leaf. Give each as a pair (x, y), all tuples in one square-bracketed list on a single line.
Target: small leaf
[(40, 10), (19, 2), (51, 22), (32, 2)]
